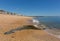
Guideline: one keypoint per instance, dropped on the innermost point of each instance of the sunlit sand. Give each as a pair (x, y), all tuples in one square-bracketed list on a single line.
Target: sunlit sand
[(8, 22)]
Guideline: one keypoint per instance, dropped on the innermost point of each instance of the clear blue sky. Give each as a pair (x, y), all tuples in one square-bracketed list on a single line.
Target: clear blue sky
[(32, 7)]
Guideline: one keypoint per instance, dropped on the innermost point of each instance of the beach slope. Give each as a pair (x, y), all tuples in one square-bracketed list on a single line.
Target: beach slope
[(8, 22)]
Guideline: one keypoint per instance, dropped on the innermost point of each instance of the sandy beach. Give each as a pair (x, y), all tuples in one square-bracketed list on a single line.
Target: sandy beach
[(8, 22)]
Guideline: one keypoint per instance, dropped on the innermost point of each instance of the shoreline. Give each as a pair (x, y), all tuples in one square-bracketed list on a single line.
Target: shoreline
[(50, 33), (53, 32)]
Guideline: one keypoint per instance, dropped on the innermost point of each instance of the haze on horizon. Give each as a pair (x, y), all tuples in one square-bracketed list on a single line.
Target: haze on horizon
[(32, 7)]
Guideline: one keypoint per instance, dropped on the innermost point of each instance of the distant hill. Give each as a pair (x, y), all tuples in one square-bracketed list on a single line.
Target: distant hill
[(36, 16)]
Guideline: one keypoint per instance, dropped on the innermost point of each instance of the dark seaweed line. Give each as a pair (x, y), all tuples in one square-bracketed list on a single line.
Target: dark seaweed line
[(20, 28)]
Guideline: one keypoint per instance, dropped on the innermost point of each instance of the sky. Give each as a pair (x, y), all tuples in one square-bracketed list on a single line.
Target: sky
[(32, 7)]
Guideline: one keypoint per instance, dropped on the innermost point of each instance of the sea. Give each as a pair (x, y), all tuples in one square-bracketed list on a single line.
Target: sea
[(52, 24)]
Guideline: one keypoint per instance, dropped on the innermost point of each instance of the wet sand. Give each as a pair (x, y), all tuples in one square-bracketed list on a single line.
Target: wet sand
[(8, 22), (54, 32)]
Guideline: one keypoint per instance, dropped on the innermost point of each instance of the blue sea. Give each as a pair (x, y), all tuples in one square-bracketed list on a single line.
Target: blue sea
[(50, 21)]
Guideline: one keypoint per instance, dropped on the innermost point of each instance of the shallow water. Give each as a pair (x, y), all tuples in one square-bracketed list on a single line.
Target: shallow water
[(52, 23)]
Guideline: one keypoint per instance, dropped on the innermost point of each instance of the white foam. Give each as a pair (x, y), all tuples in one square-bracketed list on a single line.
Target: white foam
[(35, 21)]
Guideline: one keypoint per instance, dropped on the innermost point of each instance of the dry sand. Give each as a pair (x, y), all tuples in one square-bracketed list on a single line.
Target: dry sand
[(8, 22)]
